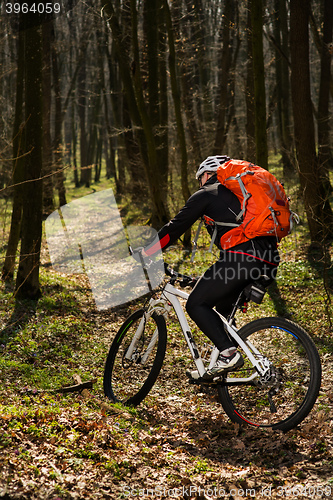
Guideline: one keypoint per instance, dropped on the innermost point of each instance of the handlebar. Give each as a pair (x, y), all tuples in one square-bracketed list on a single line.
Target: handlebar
[(183, 279)]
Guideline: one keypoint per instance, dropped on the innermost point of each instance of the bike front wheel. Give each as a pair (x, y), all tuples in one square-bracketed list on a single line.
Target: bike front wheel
[(291, 387), (135, 358)]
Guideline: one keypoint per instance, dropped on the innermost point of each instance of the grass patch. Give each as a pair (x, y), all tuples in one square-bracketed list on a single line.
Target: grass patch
[(55, 445)]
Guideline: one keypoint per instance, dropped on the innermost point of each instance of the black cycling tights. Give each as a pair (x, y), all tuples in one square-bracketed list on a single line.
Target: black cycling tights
[(220, 287)]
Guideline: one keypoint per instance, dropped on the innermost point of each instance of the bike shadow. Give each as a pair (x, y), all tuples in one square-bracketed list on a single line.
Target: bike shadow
[(215, 438), (225, 442)]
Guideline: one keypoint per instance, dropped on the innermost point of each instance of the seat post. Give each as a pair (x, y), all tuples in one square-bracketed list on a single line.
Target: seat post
[(241, 297)]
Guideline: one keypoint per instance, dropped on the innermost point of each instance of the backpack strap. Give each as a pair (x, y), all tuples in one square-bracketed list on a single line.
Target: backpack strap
[(245, 193), (195, 240), (216, 224), (212, 223)]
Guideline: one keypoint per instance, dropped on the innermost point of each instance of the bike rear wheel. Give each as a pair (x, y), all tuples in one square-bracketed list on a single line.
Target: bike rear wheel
[(135, 358), (290, 391)]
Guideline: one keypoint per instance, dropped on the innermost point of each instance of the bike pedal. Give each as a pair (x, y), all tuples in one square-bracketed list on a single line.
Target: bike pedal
[(202, 380)]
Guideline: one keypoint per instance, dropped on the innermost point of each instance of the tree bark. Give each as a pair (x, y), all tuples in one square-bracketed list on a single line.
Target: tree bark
[(201, 55), (324, 150), (139, 116), (27, 281), (225, 64), (283, 87), (155, 43), (18, 166), (60, 185), (84, 169), (259, 83), (163, 143), (177, 106), (177, 101), (48, 201), (249, 94), (318, 210), (160, 212)]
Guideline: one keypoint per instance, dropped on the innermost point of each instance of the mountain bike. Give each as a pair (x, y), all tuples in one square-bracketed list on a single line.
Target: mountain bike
[(276, 387)]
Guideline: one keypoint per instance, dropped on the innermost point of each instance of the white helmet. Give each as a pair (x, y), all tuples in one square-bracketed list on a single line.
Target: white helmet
[(211, 164)]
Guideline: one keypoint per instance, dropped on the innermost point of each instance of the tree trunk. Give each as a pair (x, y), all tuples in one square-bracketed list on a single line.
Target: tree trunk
[(159, 216), (283, 87), (231, 120), (177, 105), (27, 281), (155, 38), (249, 94), (57, 130), (84, 171), (177, 102), (74, 146), (132, 155), (317, 206), (201, 55), (150, 25), (107, 134), (48, 202), (163, 143), (324, 150), (225, 68), (259, 83), (18, 166), (93, 119), (140, 119), (193, 74)]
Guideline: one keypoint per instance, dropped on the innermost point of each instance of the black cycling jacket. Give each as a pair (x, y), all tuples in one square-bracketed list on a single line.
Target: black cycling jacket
[(218, 203)]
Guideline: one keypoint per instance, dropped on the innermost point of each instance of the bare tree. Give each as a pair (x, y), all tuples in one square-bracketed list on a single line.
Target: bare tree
[(249, 92), (226, 58), (27, 280), (283, 86), (259, 82), (18, 165), (132, 81), (319, 213), (324, 149)]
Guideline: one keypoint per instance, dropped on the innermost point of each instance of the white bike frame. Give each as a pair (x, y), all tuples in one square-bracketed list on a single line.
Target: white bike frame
[(170, 298)]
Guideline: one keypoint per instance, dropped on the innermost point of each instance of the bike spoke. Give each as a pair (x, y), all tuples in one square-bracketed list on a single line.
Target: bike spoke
[(289, 389), (135, 358)]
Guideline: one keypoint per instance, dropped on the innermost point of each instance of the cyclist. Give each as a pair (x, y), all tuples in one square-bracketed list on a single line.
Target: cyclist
[(221, 284)]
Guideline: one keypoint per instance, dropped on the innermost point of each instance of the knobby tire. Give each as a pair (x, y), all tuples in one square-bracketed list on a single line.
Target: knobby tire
[(129, 381), (294, 388)]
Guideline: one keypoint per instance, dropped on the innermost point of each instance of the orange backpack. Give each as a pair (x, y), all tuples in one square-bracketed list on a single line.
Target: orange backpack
[(265, 206)]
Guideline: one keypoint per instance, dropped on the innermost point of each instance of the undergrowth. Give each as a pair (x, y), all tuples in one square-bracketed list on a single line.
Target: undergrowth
[(53, 444), (43, 344)]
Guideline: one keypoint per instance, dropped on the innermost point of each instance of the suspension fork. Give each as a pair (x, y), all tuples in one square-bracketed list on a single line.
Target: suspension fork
[(136, 338), (154, 304)]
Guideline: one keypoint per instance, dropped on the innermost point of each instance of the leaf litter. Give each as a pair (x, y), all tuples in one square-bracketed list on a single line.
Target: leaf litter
[(177, 444)]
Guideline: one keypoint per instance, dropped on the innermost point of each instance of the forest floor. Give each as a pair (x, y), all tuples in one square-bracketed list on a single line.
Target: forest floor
[(178, 443)]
